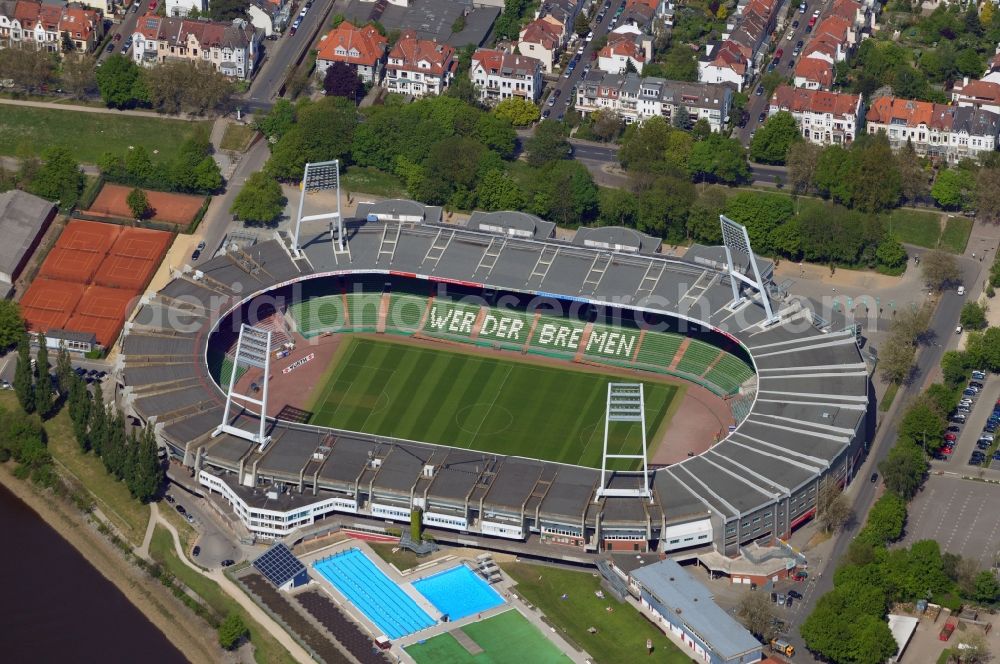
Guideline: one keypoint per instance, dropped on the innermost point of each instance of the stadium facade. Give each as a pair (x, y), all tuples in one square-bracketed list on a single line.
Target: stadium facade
[(801, 421)]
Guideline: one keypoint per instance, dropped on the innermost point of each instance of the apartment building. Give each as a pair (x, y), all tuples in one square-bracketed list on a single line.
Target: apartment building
[(500, 75), (362, 48), (419, 67), (233, 49), (26, 24), (824, 118)]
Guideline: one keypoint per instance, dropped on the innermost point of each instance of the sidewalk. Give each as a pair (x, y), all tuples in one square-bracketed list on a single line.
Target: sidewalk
[(96, 109)]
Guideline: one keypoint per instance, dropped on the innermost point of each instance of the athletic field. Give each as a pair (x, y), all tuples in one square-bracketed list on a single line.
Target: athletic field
[(483, 403), (507, 638)]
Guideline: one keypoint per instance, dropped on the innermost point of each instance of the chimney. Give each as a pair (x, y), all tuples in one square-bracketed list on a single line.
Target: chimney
[(965, 81)]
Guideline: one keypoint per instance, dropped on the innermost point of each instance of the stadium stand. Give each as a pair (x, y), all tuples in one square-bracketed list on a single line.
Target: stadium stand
[(450, 320), (729, 373), (612, 345), (505, 327), (363, 310), (658, 349), (697, 358), (405, 313), (558, 337), (316, 315)]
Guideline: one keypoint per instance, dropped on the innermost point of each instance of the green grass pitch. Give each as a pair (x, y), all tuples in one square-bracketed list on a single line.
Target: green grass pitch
[(483, 403), (507, 638)]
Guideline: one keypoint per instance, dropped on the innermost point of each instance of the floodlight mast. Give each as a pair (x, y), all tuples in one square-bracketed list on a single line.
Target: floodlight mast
[(625, 404), (252, 349), (736, 238), (320, 176)]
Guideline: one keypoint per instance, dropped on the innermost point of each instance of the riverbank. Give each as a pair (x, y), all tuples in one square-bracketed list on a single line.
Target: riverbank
[(186, 631)]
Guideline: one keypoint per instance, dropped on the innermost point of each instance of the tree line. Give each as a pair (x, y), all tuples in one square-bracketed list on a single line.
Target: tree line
[(192, 171)]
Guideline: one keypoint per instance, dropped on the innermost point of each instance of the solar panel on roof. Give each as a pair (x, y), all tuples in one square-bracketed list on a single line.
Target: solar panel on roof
[(278, 565)]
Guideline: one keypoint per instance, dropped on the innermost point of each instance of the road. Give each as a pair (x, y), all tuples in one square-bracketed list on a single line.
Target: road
[(759, 103), (126, 29), (943, 338), (279, 55)]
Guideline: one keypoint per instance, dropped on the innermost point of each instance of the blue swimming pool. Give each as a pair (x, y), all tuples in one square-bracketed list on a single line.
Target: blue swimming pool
[(458, 592), (381, 600)]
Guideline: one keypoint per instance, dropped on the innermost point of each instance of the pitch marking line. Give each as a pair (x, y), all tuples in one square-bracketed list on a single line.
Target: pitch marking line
[(489, 408)]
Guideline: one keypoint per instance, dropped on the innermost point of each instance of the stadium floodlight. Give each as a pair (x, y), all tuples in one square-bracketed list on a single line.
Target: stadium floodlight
[(625, 404), (252, 350), (320, 176), (736, 239)]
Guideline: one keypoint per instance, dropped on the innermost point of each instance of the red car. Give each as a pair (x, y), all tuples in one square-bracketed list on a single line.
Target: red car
[(812, 21), (950, 437), (947, 450), (777, 54), (152, 6)]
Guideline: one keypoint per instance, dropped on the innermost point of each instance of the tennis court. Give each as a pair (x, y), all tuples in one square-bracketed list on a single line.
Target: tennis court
[(48, 303), (71, 264), (89, 236), (180, 209)]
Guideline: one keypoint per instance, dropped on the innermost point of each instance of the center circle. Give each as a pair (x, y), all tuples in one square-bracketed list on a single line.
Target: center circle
[(472, 419)]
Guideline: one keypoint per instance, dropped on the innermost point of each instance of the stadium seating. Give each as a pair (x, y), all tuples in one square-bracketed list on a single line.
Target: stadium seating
[(450, 320), (318, 314), (740, 406), (658, 349), (611, 345), (405, 313), (220, 366), (505, 327), (729, 373), (697, 358), (559, 337), (363, 309)]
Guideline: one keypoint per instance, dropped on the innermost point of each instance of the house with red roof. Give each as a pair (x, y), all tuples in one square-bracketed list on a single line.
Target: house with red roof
[(813, 74), (419, 67), (233, 49), (824, 118), (623, 49), (726, 62), (363, 48), (25, 23), (542, 39), (81, 26), (977, 94), (499, 75)]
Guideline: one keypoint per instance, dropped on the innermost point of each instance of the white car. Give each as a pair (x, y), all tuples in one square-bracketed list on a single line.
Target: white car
[(961, 290)]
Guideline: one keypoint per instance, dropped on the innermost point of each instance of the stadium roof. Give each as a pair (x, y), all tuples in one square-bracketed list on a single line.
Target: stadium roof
[(690, 603), (279, 565), (811, 386)]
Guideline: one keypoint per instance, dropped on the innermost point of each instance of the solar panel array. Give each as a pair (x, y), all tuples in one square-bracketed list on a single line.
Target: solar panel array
[(279, 565)]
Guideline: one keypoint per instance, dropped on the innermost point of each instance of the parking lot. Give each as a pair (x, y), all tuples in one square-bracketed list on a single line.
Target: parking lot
[(960, 514), (971, 430)]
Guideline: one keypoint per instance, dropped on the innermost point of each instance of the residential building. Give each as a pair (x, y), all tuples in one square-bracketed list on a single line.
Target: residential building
[(419, 67), (267, 16), (941, 132), (682, 606), (860, 16), (977, 94), (813, 74), (363, 48), (500, 75), (623, 50), (184, 7), (636, 99), (541, 39), (561, 12), (726, 62), (824, 118), (233, 49), (32, 24), (834, 31)]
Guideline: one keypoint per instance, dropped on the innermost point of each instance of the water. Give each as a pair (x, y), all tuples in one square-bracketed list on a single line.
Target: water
[(458, 592), (57, 608), (382, 601)]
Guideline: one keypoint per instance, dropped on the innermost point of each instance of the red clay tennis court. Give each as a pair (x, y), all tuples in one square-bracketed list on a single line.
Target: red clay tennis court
[(131, 274), (178, 209), (71, 264), (91, 236), (49, 302), (141, 243)]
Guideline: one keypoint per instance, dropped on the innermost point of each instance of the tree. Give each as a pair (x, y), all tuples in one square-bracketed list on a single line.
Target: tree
[(719, 159), (278, 120), (895, 362), (78, 76), (832, 509), (227, 10), (680, 64), (618, 207), (987, 194), (972, 647), (416, 523), (581, 26), (847, 636), (79, 411), (953, 188), (914, 179), (28, 68), (703, 218), (498, 191), (138, 203), (771, 142), (260, 201), (758, 615), (923, 424), (973, 316), (324, 130), (24, 386), (941, 398), (497, 134), (59, 178), (64, 368), (885, 520), (802, 160), (11, 325), (547, 144), (342, 80), (939, 269), (43, 383), (232, 631), (187, 85), (148, 475), (605, 125), (98, 426), (565, 194), (904, 468), (987, 588), (120, 82), (518, 111), (891, 253), (760, 213)]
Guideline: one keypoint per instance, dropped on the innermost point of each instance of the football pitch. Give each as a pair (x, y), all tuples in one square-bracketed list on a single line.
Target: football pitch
[(483, 403)]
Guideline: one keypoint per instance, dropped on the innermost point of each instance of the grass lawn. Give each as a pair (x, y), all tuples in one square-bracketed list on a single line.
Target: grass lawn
[(494, 405), (366, 180), (621, 633), (507, 638), (403, 559), (110, 495), (237, 137), (890, 393), (916, 227), (956, 234), (266, 648), (89, 135)]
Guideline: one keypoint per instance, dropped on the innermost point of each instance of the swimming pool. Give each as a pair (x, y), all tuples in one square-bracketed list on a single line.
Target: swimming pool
[(458, 592), (368, 588)]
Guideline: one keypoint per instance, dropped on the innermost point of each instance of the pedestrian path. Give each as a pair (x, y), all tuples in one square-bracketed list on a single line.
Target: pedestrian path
[(98, 109)]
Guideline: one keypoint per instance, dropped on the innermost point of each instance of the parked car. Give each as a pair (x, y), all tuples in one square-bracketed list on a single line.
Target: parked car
[(762, 116), (180, 509), (954, 428), (976, 384), (228, 562), (795, 593), (795, 23), (950, 436), (979, 375), (196, 551), (110, 48), (169, 498), (874, 478), (777, 54), (760, 90)]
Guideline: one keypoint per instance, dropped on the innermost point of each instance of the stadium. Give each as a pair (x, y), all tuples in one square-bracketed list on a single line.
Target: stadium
[(464, 370)]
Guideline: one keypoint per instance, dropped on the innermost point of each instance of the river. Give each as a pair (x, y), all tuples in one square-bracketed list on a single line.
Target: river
[(57, 608)]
